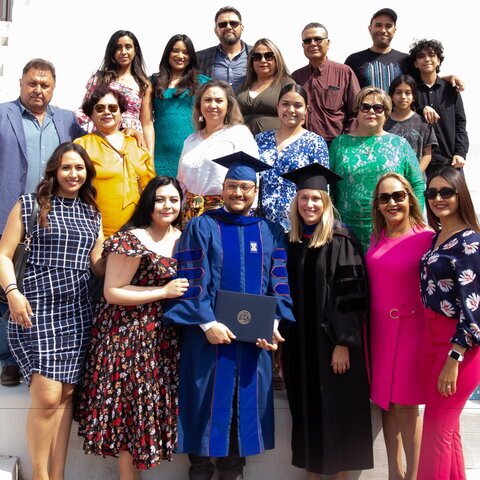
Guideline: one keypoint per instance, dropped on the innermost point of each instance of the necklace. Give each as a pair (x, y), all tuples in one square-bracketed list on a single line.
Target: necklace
[(73, 205)]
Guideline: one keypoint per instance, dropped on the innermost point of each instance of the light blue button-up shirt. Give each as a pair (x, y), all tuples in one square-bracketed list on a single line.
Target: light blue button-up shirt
[(231, 71), (41, 141)]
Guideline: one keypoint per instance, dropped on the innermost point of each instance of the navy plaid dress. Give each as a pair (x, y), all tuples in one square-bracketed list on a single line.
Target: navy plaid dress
[(56, 285)]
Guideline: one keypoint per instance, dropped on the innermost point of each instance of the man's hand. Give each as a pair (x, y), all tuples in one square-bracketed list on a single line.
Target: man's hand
[(219, 333), (131, 132), (430, 115), (458, 161), (262, 343)]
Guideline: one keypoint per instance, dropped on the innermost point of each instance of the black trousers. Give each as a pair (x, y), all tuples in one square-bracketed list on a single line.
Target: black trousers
[(229, 468)]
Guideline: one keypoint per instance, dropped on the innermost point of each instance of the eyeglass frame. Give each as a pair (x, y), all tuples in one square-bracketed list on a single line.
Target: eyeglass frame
[(398, 196)]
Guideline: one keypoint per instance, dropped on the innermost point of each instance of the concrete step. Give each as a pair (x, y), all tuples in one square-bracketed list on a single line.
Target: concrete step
[(275, 464), (8, 468)]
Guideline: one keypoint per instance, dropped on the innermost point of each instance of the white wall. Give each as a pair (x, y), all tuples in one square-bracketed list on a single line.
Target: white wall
[(73, 35)]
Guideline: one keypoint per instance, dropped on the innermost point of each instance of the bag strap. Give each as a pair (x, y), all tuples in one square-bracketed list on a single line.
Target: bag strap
[(22, 262)]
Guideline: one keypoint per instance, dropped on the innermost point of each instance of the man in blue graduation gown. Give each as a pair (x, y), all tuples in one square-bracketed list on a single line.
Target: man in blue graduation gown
[(226, 401)]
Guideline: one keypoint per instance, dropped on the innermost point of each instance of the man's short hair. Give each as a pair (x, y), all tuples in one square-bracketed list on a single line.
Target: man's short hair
[(40, 64), (228, 9), (315, 25)]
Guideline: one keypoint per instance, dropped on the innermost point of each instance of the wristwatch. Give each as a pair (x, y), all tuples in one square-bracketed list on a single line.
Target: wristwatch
[(455, 355)]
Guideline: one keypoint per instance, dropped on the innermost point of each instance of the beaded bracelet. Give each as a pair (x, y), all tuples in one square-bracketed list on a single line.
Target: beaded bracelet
[(11, 290)]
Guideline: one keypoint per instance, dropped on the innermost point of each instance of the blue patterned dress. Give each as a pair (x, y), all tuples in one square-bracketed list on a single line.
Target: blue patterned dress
[(450, 284), (56, 285), (277, 193)]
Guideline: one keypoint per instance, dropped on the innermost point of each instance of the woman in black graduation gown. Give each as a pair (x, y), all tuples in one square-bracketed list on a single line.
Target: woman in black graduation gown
[(324, 361)]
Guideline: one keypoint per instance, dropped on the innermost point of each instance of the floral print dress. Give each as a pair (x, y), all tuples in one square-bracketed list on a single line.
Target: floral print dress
[(450, 284), (129, 400)]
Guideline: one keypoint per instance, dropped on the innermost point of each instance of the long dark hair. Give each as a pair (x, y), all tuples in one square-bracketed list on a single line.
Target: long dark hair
[(293, 87), (49, 184), (108, 71), (189, 79), (142, 216), (408, 80), (466, 210)]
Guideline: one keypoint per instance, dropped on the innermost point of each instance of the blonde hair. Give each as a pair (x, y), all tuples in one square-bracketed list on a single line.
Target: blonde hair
[(365, 92), (323, 233), (378, 220)]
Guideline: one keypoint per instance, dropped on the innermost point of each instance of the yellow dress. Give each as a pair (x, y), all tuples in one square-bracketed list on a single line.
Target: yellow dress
[(120, 178)]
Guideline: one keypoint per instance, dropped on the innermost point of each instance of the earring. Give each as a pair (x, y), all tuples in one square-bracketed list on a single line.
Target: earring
[(200, 118)]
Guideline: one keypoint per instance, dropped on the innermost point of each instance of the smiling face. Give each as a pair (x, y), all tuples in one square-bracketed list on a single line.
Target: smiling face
[(370, 121), (291, 109), (71, 175), (179, 57), (106, 121), (124, 51), (310, 205), (443, 207), (238, 195), (264, 68), (36, 89), (214, 105), (427, 62), (167, 205), (403, 97), (316, 50), (396, 213), (228, 34), (382, 30)]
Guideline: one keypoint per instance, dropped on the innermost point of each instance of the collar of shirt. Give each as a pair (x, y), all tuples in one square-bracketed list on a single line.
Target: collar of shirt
[(26, 112), (222, 53), (320, 69)]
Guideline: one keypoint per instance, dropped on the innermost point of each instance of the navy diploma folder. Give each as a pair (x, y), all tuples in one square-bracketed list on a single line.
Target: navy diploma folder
[(248, 316)]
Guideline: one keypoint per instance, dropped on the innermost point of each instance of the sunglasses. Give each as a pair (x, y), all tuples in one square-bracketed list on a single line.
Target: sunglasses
[(398, 197), (112, 107), (268, 56), (233, 24), (445, 192), (377, 108), (310, 40)]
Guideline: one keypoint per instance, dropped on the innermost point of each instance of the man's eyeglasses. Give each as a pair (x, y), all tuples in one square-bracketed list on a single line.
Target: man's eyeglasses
[(445, 193), (377, 108), (100, 107), (232, 23), (398, 197), (244, 187), (258, 57), (309, 40)]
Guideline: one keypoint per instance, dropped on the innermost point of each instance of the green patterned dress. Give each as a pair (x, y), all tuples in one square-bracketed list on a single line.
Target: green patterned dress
[(361, 161)]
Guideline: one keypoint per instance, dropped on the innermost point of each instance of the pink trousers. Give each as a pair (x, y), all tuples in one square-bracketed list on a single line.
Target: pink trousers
[(441, 455)]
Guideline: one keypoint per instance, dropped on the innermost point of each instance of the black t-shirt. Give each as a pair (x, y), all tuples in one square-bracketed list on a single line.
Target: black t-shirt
[(379, 69)]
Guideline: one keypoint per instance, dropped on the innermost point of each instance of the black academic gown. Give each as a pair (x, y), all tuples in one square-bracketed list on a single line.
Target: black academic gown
[(331, 426)]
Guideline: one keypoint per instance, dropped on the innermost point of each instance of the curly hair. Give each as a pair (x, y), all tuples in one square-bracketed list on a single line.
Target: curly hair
[(431, 46)]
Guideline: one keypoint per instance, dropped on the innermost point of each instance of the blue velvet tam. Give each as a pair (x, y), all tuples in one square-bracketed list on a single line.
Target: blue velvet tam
[(242, 166)]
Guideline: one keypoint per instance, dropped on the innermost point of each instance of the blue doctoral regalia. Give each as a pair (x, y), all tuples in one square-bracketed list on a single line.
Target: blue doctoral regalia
[(221, 250)]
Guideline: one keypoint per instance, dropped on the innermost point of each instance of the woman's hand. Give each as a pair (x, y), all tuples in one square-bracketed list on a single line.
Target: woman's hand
[(262, 343), (447, 380), (176, 288), (340, 359), (20, 310)]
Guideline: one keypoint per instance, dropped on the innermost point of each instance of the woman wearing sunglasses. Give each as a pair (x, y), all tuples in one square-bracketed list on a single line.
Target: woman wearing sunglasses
[(123, 168), (400, 238), (450, 287), (122, 69), (363, 156), (266, 76)]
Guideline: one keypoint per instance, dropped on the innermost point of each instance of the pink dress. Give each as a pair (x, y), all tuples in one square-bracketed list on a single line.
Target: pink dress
[(396, 317)]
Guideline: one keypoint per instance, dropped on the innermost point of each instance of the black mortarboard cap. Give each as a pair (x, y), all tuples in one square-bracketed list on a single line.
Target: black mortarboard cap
[(314, 176), (242, 166)]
